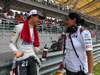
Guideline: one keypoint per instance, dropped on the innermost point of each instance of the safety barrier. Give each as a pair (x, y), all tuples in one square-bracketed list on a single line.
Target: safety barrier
[(96, 53), (55, 58), (48, 67), (52, 64)]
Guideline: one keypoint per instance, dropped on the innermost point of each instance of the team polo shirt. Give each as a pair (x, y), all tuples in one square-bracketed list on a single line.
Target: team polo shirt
[(82, 43), (17, 44)]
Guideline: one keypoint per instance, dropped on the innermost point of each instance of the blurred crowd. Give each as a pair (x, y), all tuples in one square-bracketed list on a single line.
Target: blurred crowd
[(8, 19)]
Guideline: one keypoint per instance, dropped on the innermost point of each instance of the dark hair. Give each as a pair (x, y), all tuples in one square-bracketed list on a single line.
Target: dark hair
[(82, 21), (28, 17), (77, 16)]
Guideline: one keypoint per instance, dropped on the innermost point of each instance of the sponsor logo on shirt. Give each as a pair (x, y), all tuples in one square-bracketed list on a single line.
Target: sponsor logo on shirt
[(11, 41), (87, 39), (75, 36), (86, 35), (32, 36), (13, 35), (28, 43), (14, 27), (88, 46), (88, 43)]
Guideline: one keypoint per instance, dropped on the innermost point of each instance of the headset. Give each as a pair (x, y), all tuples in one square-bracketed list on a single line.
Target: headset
[(72, 29)]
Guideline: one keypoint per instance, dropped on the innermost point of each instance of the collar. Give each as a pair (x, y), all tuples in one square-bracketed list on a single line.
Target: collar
[(30, 25)]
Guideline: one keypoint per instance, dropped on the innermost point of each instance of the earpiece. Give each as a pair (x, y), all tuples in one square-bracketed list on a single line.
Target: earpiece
[(72, 29)]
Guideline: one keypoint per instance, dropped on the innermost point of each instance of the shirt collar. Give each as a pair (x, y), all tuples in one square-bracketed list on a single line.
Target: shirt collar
[(31, 25)]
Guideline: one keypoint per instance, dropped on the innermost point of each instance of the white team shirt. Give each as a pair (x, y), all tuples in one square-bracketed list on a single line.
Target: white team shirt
[(17, 44), (82, 43)]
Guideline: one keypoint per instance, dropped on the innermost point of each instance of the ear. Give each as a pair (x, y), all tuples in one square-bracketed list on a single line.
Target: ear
[(74, 20)]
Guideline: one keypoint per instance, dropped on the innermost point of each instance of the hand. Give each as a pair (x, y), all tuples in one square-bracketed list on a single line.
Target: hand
[(46, 53), (18, 54), (61, 67), (41, 52), (61, 47)]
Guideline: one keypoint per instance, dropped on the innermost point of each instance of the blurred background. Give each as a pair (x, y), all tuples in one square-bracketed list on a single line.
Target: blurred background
[(13, 12)]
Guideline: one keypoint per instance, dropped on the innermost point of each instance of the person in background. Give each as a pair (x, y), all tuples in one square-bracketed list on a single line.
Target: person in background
[(0, 22), (11, 18), (25, 36), (40, 27), (82, 62), (61, 40)]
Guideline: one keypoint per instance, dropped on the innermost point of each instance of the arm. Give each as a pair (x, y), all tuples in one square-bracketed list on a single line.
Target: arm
[(61, 67), (87, 43), (61, 47), (90, 61), (37, 50), (59, 38), (13, 40)]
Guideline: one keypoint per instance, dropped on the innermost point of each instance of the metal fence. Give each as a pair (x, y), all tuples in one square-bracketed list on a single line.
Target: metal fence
[(8, 25), (96, 53)]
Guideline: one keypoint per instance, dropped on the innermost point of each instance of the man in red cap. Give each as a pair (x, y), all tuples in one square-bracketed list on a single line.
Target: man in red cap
[(25, 36)]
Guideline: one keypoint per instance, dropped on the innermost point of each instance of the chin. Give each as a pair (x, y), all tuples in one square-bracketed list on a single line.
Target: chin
[(68, 26), (36, 23)]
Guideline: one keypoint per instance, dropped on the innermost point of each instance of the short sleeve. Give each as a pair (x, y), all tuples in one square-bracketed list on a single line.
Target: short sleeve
[(86, 40)]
